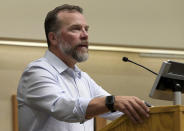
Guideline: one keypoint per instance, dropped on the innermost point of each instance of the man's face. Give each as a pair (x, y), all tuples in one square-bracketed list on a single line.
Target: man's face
[(73, 35)]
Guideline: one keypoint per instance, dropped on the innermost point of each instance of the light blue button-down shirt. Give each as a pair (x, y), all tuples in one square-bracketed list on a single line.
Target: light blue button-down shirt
[(53, 97)]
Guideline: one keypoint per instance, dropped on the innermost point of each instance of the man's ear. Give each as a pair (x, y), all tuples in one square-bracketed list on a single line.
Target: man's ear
[(53, 38)]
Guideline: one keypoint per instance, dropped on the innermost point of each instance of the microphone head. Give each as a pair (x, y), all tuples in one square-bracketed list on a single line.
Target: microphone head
[(125, 59)]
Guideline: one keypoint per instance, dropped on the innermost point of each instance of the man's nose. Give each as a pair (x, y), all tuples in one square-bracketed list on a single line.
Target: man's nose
[(84, 34)]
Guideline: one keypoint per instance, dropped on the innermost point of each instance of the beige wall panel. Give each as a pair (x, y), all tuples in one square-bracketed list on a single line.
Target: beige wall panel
[(106, 68)]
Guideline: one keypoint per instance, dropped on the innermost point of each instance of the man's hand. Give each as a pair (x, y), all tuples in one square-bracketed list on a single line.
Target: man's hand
[(133, 107)]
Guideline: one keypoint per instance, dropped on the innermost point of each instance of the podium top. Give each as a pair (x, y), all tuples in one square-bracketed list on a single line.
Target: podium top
[(153, 110)]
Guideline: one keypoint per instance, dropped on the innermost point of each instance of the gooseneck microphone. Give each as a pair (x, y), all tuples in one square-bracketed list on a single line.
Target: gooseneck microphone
[(125, 59)]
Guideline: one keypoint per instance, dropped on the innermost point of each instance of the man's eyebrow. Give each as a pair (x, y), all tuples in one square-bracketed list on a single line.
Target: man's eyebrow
[(76, 25)]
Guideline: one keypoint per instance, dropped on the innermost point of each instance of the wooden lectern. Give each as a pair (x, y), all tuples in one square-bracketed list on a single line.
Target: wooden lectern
[(164, 118)]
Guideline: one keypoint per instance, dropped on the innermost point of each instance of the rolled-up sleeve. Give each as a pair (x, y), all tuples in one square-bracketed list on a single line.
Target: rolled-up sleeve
[(42, 92)]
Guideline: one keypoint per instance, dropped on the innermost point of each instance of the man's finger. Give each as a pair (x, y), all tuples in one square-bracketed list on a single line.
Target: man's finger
[(133, 111)]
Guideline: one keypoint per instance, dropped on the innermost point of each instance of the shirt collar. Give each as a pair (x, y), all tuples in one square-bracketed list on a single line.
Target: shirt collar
[(60, 66), (76, 72)]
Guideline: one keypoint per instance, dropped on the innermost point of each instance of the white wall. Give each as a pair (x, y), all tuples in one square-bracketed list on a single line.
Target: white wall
[(155, 23)]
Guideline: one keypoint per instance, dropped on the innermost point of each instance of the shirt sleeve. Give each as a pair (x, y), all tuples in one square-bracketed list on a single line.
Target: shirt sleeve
[(111, 116), (41, 91)]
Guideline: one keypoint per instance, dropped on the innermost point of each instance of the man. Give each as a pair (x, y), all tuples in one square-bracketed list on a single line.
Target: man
[(55, 95)]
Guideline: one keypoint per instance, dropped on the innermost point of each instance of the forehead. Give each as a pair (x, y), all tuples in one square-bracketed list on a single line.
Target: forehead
[(71, 18)]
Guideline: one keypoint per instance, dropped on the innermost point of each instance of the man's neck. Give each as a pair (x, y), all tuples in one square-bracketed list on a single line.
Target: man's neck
[(68, 60)]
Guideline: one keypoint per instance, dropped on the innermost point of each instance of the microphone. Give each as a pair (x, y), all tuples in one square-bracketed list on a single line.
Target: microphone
[(125, 59)]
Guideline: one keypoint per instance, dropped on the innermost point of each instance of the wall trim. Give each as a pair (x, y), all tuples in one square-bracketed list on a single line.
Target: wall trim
[(141, 50)]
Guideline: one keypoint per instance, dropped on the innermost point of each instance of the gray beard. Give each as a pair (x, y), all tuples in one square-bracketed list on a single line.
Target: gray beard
[(77, 55)]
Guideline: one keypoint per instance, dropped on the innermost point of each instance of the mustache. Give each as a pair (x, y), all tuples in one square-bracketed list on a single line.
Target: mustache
[(83, 43)]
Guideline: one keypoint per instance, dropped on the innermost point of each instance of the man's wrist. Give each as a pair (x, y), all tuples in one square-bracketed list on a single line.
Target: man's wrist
[(109, 102)]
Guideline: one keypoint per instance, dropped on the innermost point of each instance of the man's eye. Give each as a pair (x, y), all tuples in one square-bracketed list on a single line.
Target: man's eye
[(86, 29), (76, 28)]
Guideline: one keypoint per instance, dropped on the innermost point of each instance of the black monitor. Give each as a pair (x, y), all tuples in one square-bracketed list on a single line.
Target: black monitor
[(171, 74)]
